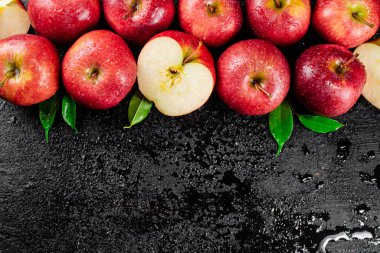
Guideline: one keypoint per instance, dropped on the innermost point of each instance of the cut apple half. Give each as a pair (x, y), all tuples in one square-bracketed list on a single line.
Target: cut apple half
[(13, 19), (176, 87), (369, 55)]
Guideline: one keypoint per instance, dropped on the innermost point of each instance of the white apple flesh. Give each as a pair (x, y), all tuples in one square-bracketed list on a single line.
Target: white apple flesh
[(13, 19), (369, 55), (175, 86)]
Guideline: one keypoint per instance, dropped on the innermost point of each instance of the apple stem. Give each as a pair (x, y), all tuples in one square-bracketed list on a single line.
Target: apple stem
[(278, 3), (340, 69), (260, 87), (356, 15), (193, 53), (7, 76), (353, 58)]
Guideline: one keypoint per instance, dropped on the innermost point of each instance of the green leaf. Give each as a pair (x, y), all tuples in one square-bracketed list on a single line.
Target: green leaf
[(47, 111), (138, 110), (320, 124), (281, 124), (69, 112)]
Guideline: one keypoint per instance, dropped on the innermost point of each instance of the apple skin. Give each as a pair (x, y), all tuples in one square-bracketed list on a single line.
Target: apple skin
[(281, 26), (35, 63), (99, 70), (63, 21), (253, 60), (176, 72), (333, 20), (318, 85), (138, 20), (213, 22)]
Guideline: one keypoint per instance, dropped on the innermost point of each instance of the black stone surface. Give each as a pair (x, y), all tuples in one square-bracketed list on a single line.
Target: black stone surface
[(206, 182)]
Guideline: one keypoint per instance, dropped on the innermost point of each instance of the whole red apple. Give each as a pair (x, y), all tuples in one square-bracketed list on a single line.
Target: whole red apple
[(349, 23), (254, 77), (138, 20), (29, 69), (176, 72), (281, 22), (99, 70), (328, 79), (63, 21), (215, 22)]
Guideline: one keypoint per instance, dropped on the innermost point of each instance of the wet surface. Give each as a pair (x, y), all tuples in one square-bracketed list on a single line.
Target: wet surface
[(206, 182)]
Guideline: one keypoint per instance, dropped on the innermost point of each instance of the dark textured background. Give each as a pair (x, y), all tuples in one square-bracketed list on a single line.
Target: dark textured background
[(206, 182)]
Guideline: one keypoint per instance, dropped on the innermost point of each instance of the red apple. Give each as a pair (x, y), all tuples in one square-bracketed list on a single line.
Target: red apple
[(328, 79), (347, 22), (29, 69), (99, 70), (281, 22), (63, 21), (13, 18), (138, 20), (176, 72), (215, 22), (254, 77)]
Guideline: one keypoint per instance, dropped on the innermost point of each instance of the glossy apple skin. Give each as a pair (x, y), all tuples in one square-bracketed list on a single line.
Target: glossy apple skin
[(237, 65), (111, 56), (332, 20), (39, 66), (281, 27), (190, 43), (152, 17), (213, 29), (63, 21), (319, 88)]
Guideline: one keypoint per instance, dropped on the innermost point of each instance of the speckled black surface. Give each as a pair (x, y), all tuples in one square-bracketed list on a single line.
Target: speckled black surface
[(206, 182)]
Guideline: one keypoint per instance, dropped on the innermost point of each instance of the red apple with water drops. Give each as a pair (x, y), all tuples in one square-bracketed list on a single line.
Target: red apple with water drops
[(63, 21), (281, 22), (254, 77), (139, 20), (349, 23), (29, 69), (215, 22), (99, 70), (328, 79)]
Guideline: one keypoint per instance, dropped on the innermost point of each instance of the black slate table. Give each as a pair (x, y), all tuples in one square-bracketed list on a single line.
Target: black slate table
[(206, 182)]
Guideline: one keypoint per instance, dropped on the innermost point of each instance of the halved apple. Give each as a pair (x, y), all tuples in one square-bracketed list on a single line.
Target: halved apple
[(369, 55), (13, 18), (176, 72)]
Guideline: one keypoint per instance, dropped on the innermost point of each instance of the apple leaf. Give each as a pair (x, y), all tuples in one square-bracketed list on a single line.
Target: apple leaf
[(320, 124), (69, 112), (138, 110), (47, 111), (281, 124)]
